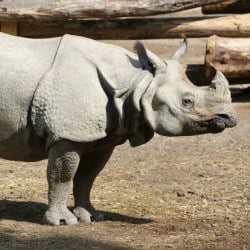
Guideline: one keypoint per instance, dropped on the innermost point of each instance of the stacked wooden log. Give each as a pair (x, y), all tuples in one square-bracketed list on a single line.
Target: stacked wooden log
[(75, 10), (111, 19), (142, 28), (229, 55)]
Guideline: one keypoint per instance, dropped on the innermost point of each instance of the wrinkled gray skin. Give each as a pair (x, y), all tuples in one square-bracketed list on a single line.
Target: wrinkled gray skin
[(72, 100)]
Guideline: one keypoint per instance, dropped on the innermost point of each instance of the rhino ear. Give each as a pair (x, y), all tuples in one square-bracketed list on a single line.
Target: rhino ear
[(149, 60), (181, 50)]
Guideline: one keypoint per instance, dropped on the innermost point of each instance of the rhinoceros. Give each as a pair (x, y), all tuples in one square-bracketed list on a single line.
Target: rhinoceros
[(72, 100)]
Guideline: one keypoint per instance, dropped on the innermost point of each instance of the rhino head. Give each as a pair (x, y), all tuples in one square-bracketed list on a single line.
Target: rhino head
[(173, 106)]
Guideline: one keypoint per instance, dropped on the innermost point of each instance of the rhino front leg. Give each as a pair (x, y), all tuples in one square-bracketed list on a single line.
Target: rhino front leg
[(64, 158), (90, 166)]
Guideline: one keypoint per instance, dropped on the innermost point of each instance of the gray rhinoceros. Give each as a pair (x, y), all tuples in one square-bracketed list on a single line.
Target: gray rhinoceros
[(73, 99)]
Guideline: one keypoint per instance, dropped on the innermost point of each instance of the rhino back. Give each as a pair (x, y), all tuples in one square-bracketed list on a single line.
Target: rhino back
[(119, 65)]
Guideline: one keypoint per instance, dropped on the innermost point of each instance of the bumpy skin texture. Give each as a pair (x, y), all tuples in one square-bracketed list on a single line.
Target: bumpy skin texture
[(64, 158), (23, 62), (69, 115), (73, 99)]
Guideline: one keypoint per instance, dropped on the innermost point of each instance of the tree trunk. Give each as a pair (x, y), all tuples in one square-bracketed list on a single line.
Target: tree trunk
[(142, 28), (75, 10), (231, 56), (230, 6)]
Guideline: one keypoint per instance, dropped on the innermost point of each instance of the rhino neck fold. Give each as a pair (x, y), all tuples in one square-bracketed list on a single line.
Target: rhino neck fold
[(133, 123)]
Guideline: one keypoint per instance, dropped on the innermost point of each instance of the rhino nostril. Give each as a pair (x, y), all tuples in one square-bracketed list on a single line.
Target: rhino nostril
[(230, 121), (224, 116)]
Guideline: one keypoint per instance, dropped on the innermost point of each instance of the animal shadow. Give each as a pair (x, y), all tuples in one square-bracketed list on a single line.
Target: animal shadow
[(33, 212), (22, 211), (111, 216)]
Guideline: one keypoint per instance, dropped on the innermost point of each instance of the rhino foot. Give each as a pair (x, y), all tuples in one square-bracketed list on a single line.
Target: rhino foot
[(88, 215), (62, 216)]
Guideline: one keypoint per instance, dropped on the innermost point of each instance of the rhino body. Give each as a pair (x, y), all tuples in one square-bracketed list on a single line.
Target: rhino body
[(29, 70), (72, 100)]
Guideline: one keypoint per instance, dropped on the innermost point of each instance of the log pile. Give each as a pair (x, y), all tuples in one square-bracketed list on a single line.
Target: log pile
[(231, 56)]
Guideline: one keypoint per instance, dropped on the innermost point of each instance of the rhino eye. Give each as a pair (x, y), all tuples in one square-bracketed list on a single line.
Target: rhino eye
[(188, 102)]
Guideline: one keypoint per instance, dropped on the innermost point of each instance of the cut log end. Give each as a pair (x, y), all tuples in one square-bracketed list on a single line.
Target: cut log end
[(231, 56), (9, 28)]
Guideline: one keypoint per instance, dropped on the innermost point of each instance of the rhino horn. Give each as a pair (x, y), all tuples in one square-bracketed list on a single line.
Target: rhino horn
[(220, 84), (181, 50)]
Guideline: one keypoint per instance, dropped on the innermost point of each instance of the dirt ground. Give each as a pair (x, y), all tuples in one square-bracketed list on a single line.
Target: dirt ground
[(172, 193)]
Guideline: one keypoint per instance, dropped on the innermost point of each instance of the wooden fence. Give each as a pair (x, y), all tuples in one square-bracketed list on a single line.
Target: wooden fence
[(46, 18)]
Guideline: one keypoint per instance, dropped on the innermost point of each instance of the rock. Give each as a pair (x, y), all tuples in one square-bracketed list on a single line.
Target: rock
[(180, 194)]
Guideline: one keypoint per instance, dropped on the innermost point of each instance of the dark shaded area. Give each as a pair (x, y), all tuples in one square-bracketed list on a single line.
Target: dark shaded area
[(240, 94), (196, 73), (53, 242), (232, 7), (118, 28), (110, 216), (22, 211), (34, 211)]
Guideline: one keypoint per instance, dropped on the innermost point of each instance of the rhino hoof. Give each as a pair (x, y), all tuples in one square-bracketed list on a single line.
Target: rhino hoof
[(61, 217), (84, 215)]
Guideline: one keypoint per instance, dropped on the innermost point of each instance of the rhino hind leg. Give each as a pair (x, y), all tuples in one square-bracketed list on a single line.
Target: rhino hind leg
[(90, 166), (64, 158)]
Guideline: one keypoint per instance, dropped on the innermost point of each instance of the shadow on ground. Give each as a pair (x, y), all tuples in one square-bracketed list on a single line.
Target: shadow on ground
[(22, 211), (109, 216), (56, 242), (33, 212)]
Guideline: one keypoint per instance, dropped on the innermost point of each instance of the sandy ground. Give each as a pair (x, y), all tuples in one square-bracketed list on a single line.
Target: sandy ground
[(172, 193)]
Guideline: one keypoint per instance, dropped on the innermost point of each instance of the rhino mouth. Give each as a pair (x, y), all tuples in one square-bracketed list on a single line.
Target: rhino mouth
[(218, 123)]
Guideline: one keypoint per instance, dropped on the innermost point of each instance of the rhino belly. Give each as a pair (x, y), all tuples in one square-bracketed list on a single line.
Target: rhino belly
[(23, 145)]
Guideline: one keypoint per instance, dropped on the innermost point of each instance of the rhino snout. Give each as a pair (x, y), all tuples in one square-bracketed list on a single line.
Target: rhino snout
[(227, 120), (222, 121)]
